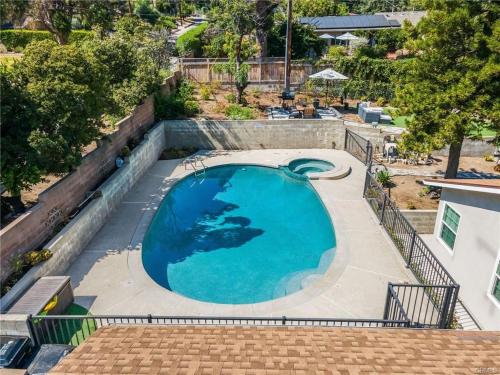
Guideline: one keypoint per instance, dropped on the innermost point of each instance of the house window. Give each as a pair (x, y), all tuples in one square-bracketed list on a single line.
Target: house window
[(449, 226), (496, 283)]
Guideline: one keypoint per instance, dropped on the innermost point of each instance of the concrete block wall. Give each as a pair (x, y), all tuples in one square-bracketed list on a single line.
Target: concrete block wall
[(471, 147), (70, 242), (264, 134), (422, 220), (14, 325), (61, 199)]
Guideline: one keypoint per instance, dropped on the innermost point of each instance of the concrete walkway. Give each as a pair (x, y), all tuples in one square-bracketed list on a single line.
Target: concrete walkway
[(109, 277)]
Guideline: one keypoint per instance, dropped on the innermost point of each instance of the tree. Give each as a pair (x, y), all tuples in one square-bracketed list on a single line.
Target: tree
[(373, 6), (145, 11), (130, 61), (19, 160), (67, 87), (264, 22), (319, 8), (452, 87), (305, 42), (98, 14), (235, 19), (56, 15), (13, 11)]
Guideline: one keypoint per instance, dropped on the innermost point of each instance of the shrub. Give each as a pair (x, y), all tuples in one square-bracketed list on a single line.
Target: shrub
[(231, 98), (191, 107), (380, 102), (488, 158), (177, 153), (237, 112), (384, 178), (425, 190), (33, 257), (17, 40), (215, 85), (168, 107), (185, 90), (125, 152), (189, 43), (411, 206), (336, 51), (166, 22), (205, 92)]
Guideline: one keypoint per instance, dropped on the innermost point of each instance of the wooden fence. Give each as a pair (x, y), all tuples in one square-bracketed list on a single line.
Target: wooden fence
[(265, 72)]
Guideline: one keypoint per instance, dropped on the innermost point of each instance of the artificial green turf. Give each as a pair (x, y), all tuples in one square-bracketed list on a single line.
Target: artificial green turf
[(79, 329), (72, 331)]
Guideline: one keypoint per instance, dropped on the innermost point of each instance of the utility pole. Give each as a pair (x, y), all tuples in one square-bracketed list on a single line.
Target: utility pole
[(180, 10), (288, 47)]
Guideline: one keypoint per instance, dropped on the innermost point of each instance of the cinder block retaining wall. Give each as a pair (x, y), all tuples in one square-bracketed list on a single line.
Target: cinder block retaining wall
[(264, 134), (36, 226), (471, 148), (70, 242), (422, 220)]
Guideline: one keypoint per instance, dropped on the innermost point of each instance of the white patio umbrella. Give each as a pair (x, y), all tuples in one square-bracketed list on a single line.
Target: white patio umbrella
[(327, 37), (348, 37), (328, 75)]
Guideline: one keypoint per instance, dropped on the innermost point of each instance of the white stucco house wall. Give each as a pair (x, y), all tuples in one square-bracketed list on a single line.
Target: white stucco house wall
[(466, 240)]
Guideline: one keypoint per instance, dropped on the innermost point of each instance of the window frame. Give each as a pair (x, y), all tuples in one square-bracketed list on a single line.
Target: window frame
[(494, 279), (442, 222)]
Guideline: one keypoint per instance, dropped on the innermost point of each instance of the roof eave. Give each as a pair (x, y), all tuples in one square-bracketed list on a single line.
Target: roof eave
[(477, 189)]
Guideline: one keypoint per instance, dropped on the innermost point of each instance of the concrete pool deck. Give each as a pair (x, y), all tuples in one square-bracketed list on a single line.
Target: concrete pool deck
[(108, 276)]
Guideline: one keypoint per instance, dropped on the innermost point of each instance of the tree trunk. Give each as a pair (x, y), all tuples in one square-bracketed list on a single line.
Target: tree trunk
[(61, 38), (261, 37), (239, 94), (263, 9), (453, 159)]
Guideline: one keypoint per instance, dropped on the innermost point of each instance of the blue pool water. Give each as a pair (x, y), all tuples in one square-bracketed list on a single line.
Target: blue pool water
[(239, 234), (306, 166)]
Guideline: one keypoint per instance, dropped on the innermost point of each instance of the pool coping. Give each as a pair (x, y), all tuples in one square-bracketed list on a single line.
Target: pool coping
[(339, 170), (313, 289)]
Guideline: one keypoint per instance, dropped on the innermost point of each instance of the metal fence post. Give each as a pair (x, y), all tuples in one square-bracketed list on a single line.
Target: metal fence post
[(410, 255), (368, 152), (387, 301), (150, 318), (367, 177), (383, 210), (283, 320), (32, 331), (345, 139), (445, 308)]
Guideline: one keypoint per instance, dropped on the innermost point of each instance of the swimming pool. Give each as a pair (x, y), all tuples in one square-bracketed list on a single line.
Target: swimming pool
[(239, 234)]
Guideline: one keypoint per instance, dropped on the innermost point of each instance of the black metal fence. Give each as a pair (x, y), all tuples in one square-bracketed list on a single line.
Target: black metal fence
[(73, 330), (426, 306), (436, 282), (358, 147)]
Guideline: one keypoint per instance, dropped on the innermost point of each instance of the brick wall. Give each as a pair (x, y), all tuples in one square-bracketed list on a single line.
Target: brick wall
[(36, 226)]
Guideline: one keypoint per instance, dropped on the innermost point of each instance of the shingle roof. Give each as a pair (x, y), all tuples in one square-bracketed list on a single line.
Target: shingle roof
[(350, 22), (281, 350)]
